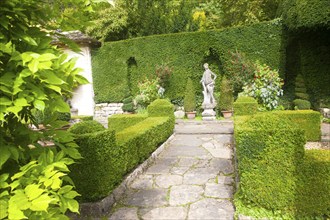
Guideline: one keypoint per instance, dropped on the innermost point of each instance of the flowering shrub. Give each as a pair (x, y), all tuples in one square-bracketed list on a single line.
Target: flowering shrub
[(239, 70), (163, 73), (265, 87), (148, 92)]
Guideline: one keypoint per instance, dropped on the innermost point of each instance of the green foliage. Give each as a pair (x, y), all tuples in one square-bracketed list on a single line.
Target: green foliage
[(260, 41), (83, 117), (245, 105), (300, 88), (128, 105), (226, 95), (120, 122), (85, 127), (35, 76), (266, 87), (141, 139), (307, 120), (301, 104), (190, 97), (313, 188), (239, 70), (98, 172), (269, 150), (148, 92), (305, 14), (161, 108)]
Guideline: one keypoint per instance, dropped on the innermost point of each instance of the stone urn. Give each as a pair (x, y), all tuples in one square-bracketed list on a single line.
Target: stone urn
[(191, 115), (227, 114)]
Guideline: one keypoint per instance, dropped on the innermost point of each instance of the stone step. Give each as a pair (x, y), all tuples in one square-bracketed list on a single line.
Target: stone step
[(204, 127)]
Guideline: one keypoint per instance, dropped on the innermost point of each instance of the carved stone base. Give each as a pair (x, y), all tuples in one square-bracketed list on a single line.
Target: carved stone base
[(208, 114)]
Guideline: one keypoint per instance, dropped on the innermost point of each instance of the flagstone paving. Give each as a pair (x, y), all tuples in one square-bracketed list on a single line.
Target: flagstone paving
[(192, 179)]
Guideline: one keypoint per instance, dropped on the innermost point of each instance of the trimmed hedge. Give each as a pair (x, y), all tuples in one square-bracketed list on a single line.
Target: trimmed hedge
[(269, 150), (313, 189), (98, 173), (86, 127), (140, 140), (299, 14), (307, 120), (83, 117), (119, 65), (120, 122), (245, 105), (160, 107), (301, 104)]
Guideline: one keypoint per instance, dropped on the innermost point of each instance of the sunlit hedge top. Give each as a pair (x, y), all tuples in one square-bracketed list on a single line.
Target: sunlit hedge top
[(308, 14)]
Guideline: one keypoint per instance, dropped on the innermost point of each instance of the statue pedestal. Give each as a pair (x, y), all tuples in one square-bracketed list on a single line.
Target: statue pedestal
[(208, 114)]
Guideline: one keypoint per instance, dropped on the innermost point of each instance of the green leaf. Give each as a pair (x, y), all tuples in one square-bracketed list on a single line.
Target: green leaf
[(4, 177), (5, 89), (62, 106), (26, 57), (65, 189), (15, 213), (73, 205), (21, 102), (18, 82), (3, 209), (30, 40), (14, 109), (41, 203), (4, 156), (20, 200), (38, 104), (71, 194), (47, 57), (33, 191), (33, 65), (5, 101), (55, 88), (81, 80), (51, 78), (45, 65)]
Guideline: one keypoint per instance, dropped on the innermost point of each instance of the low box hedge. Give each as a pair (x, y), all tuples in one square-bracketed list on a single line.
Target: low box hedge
[(245, 106), (269, 150), (100, 170), (160, 107), (85, 127), (120, 122), (308, 120)]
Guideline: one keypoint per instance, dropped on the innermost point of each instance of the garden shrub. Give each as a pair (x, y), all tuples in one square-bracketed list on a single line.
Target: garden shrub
[(83, 117), (300, 88), (301, 104), (128, 105), (84, 127), (161, 107), (245, 105), (313, 188), (120, 122), (226, 95), (269, 150), (307, 120), (189, 101), (101, 168), (139, 140), (184, 53)]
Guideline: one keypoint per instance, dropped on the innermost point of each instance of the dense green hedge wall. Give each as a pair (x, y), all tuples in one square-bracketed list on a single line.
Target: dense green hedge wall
[(308, 54), (313, 189), (245, 106), (269, 150), (306, 13), (120, 122), (118, 66), (307, 120), (97, 174)]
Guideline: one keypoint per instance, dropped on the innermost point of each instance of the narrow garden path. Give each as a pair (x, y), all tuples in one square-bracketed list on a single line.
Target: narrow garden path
[(193, 178)]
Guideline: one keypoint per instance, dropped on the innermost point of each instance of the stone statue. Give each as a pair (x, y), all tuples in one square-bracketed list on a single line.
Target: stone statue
[(208, 87)]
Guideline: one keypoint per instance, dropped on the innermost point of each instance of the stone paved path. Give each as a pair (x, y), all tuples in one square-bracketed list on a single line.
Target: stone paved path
[(192, 179)]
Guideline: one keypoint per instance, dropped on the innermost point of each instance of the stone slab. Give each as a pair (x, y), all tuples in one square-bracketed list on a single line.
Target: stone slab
[(185, 151), (167, 180), (199, 176), (147, 198), (167, 213), (224, 166), (125, 213), (218, 191), (143, 182), (211, 209), (184, 194)]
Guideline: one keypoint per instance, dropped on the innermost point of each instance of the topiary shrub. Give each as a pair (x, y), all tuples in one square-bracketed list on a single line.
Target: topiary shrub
[(120, 122), (300, 104), (189, 101), (300, 88), (245, 105), (86, 127), (226, 95), (128, 105), (161, 107), (269, 150)]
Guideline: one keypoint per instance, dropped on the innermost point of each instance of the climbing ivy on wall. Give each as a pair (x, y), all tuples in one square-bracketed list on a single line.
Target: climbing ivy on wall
[(184, 53)]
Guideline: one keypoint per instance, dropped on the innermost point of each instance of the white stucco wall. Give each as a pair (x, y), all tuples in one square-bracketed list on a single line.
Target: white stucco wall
[(83, 97)]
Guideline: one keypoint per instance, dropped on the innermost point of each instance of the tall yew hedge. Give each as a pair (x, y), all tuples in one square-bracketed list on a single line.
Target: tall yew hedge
[(120, 65)]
